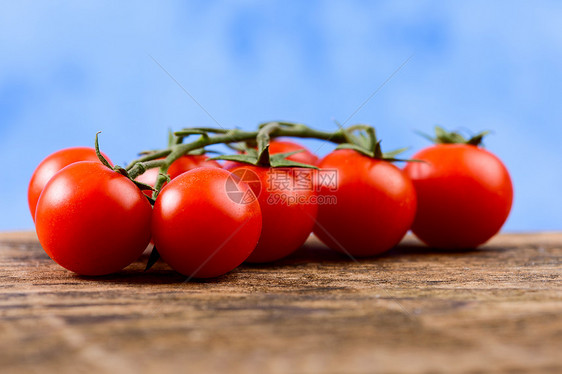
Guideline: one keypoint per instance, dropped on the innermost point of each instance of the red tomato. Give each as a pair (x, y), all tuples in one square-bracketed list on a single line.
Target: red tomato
[(288, 206), (464, 195), (51, 165), (200, 228), (181, 165), (92, 220), (374, 205)]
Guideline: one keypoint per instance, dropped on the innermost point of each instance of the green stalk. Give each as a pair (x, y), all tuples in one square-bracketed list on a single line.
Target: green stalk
[(174, 152)]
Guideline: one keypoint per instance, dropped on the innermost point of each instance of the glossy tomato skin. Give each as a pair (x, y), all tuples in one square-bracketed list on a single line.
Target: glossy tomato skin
[(288, 206), (374, 208), (202, 231), (51, 165), (92, 220), (464, 195)]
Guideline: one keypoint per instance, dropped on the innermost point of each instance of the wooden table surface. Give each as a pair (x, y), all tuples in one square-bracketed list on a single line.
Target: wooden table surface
[(415, 310)]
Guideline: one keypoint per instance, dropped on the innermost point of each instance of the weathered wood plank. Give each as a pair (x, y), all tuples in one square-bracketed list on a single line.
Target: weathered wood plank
[(493, 310)]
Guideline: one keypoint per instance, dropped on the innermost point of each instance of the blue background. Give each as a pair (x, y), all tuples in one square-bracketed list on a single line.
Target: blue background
[(68, 70)]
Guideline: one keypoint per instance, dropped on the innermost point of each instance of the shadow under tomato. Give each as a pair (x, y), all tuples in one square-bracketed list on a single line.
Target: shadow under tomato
[(314, 251), (128, 276), (160, 273)]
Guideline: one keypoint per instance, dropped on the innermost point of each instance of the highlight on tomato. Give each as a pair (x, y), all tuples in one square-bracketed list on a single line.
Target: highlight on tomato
[(464, 192), (373, 201), (92, 220), (51, 165), (201, 228)]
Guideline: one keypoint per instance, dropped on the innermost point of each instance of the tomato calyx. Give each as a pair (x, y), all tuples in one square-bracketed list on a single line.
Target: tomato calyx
[(261, 156), (443, 136), (278, 160), (123, 171), (363, 139)]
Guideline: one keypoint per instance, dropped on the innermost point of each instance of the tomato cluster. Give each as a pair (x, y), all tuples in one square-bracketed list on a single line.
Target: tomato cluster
[(206, 218)]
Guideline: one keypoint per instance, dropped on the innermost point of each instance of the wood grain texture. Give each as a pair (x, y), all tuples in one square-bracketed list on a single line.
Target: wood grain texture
[(414, 310)]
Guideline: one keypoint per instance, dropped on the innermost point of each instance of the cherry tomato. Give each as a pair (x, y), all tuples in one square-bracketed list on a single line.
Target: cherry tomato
[(51, 165), (288, 205), (92, 220), (181, 165), (372, 204), (202, 225), (464, 195)]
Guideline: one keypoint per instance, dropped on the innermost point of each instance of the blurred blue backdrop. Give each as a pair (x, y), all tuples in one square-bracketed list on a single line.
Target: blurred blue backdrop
[(69, 69)]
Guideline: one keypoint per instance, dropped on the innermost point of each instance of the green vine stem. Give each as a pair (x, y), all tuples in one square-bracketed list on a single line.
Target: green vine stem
[(164, 158)]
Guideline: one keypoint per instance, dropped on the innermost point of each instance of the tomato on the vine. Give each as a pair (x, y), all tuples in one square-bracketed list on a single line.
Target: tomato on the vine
[(464, 195), (51, 165), (203, 225), (92, 220), (369, 204), (288, 206)]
